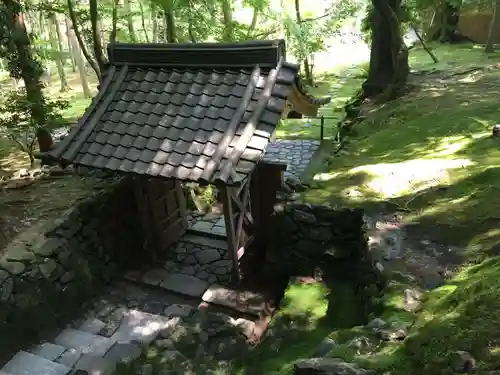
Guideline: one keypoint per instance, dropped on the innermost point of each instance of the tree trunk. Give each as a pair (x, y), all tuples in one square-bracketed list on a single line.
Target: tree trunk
[(70, 49), (74, 26), (77, 53), (445, 29), (253, 24), (305, 60), (170, 31), (59, 38), (97, 37), (114, 20), (31, 73), (495, 21), (388, 69), (143, 22), (154, 18), (227, 17), (58, 57), (130, 21), (191, 32)]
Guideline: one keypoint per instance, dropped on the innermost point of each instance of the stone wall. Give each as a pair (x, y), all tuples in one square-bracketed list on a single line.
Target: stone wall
[(51, 268), (307, 240)]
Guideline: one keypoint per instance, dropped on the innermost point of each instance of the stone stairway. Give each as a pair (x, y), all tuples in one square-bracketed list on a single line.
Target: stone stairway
[(172, 312)]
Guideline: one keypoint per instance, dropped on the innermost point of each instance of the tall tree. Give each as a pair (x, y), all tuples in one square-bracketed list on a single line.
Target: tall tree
[(388, 69), (57, 52), (23, 64), (97, 37), (74, 26), (130, 20), (77, 54), (495, 22), (227, 19)]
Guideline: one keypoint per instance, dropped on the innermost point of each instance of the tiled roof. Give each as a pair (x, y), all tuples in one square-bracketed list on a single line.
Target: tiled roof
[(197, 122)]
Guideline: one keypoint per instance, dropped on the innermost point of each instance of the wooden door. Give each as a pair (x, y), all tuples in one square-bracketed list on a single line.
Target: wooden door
[(163, 209)]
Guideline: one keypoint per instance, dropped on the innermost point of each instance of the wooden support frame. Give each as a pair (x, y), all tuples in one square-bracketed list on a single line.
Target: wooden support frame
[(239, 221)]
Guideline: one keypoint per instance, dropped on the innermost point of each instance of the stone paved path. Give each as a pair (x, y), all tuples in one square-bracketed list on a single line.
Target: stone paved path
[(297, 153), (131, 317)]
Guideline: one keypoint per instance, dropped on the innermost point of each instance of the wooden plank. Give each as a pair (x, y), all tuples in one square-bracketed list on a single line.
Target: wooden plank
[(182, 202), (227, 205)]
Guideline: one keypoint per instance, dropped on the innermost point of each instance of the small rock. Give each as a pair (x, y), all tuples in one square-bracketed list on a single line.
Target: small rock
[(324, 347), (376, 324), (359, 343), (304, 217), (3, 275), (23, 172), (203, 336), (463, 362), (165, 344), (495, 132), (48, 267), (15, 268), (411, 299), (173, 355), (393, 334), (146, 369), (379, 267), (67, 277), (328, 366), (6, 289)]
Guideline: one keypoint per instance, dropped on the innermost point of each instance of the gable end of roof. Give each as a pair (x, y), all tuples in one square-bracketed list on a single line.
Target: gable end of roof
[(266, 54)]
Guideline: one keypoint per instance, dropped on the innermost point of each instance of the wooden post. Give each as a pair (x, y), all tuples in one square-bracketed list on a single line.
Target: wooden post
[(227, 204), (322, 129)]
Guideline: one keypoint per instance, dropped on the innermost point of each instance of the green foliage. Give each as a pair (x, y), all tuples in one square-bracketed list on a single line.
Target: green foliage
[(20, 126)]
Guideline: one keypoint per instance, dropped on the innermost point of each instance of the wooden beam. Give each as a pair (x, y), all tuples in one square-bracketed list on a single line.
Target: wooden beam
[(227, 204), (243, 213)]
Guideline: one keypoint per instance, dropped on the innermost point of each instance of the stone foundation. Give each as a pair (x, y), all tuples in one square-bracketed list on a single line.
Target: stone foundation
[(308, 240), (51, 268)]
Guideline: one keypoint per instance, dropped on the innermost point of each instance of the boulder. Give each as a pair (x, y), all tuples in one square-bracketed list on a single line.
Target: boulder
[(328, 366)]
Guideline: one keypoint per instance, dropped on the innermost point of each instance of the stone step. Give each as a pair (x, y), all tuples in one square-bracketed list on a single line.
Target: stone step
[(138, 326), (24, 363), (243, 301), (92, 325), (48, 351), (93, 364), (184, 284), (85, 342), (245, 326), (203, 240)]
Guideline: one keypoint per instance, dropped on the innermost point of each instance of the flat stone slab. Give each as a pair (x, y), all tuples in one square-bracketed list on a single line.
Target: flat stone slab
[(242, 301), (85, 342), (204, 241), (48, 351), (124, 353), (185, 284), (69, 357), (92, 325), (138, 326), (95, 365), (24, 363)]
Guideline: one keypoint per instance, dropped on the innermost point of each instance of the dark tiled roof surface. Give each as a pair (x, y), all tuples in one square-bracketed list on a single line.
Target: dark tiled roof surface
[(177, 124), (161, 112)]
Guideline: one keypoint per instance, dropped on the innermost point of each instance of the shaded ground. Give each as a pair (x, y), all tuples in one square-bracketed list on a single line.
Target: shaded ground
[(24, 206)]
